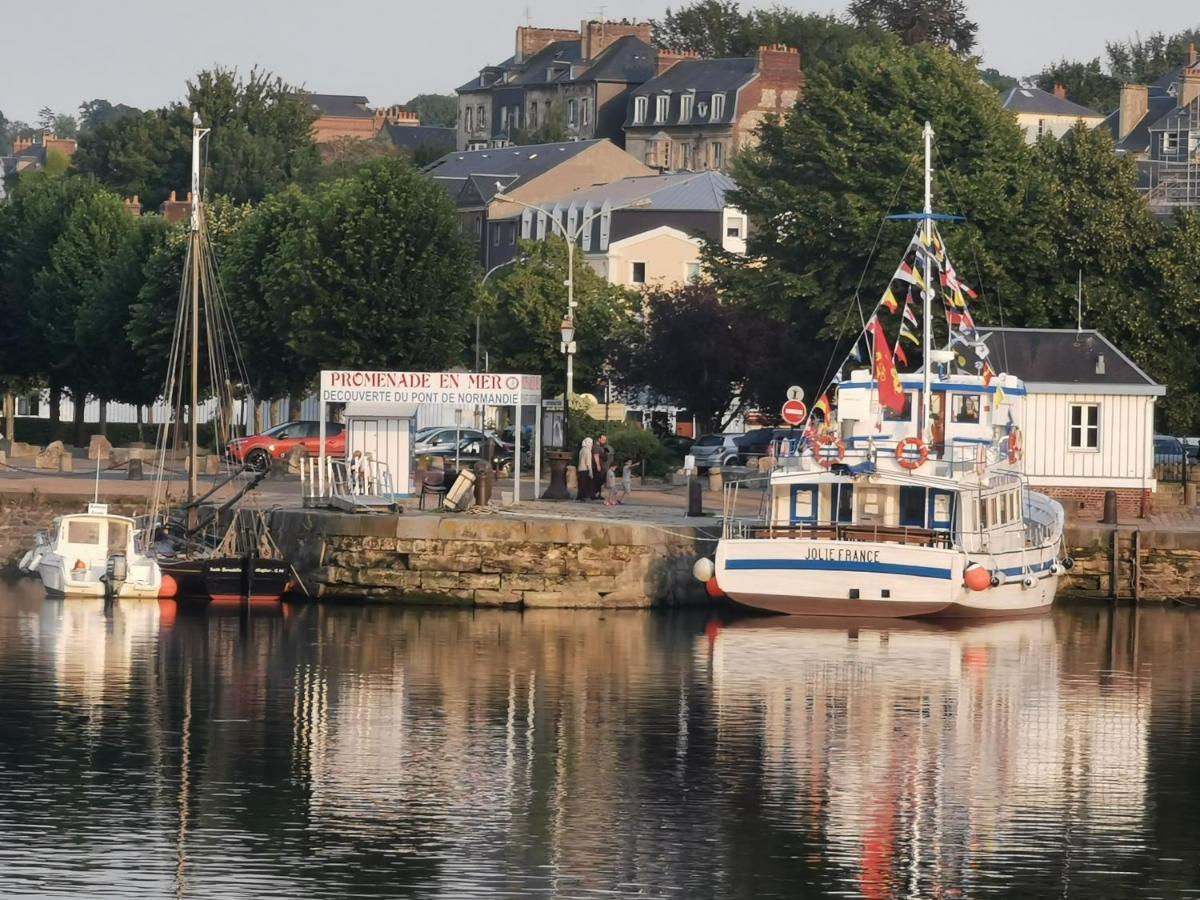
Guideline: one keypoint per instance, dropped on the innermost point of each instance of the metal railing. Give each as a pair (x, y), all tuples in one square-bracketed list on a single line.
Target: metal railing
[(799, 454), (367, 479)]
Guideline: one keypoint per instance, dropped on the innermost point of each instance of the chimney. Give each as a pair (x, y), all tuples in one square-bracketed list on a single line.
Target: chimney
[(531, 40), (599, 36), (1189, 86), (666, 59), (1060, 91), (133, 205), (779, 63), (1134, 105), (1191, 56)]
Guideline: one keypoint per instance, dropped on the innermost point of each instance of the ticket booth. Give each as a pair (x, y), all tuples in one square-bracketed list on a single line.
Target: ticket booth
[(383, 433)]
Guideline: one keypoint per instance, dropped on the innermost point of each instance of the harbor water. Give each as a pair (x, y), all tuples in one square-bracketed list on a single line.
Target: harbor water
[(328, 751)]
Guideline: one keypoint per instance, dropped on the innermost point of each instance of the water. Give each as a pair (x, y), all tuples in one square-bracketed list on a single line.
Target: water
[(368, 752)]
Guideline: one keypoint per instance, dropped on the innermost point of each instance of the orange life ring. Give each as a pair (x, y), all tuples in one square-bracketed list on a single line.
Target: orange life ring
[(826, 458), (1014, 445), (906, 460)]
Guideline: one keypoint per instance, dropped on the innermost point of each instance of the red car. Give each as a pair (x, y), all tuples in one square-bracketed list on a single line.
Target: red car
[(259, 450)]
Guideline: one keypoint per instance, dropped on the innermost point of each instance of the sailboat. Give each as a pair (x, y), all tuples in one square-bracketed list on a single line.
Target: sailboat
[(906, 496), (221, 552)]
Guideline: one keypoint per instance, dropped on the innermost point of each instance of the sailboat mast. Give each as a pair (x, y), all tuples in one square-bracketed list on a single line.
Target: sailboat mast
[(926, 397), (194, 253)]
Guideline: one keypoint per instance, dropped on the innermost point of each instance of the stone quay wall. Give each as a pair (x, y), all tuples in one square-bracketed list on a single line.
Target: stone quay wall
[(1166, 565), (506, 560), (22, 515)]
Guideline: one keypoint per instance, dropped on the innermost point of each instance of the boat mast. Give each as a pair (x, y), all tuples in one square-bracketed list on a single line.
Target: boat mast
[(194, 253), (926, 398)]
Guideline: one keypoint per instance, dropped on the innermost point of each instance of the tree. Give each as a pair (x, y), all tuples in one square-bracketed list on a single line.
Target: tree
[(1142, 60), (943, 23), (343, 156), (523, 312), (146, 154), (1174, 361), (65, 126), (369, 271), (998, 79), (5, 141), (440, 110), (551, 130), (1086, 82), (711, 28), (94, 113)]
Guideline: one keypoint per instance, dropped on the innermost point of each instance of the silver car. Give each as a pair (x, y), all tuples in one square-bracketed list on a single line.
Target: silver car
[(715, 450)]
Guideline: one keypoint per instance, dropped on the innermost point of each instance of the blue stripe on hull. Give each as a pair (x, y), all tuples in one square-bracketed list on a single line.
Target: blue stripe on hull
[(836, 565)]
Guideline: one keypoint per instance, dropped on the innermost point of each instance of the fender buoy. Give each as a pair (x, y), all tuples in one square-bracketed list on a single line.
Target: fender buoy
[(168, 588), (829, 450), (713, 589), (703, 569), (1028, 581), (905, 450), (23, 565), (977, 578), (1068, 563), (1014, 445)]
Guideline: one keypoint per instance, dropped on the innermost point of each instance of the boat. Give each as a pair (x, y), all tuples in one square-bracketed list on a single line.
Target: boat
[(225, 551), (73, 560), (904, 495)]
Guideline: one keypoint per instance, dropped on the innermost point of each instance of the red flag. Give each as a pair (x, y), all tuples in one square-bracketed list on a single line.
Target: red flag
[(900, 354), (891, 394)]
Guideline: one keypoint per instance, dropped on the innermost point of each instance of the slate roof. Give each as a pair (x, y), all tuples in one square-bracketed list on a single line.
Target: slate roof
[(475, 172), (1138, 140), (704, 77), (627, 60), (564, 54), (1035, 100), (1065, 356), (410, 137), (348, 106), (674, 192)]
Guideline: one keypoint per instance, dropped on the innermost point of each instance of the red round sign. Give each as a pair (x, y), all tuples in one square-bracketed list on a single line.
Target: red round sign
[(794, 412)]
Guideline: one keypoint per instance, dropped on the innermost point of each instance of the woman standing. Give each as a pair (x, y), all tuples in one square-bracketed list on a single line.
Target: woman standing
[(585, 469)]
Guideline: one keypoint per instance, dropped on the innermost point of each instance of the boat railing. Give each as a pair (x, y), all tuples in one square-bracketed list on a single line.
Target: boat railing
[(860, 454), (869, 532), (367, 479), (734, 525)]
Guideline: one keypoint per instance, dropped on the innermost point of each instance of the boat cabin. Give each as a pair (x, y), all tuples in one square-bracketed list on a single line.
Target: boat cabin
[(85, 541)]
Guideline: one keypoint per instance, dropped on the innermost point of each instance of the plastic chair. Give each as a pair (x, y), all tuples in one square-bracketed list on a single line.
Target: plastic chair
[(433, 482)]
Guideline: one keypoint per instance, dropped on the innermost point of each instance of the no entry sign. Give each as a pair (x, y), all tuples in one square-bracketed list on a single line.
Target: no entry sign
[(794, 412)]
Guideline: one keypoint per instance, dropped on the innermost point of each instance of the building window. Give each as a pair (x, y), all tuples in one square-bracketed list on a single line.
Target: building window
[(469, 119), (28, 406), (495, 235), (1041, 127), (664, 107), (512, 234), (639, 273), (584, 117), (479, 228), (516, 117), (691, 272), (1170, 142), (572, 113), (718, 154), (1084, 433), (533, 114), (504, 118), (685, 107), (481, 116), (733, 227), (639, 110), (718, 107)]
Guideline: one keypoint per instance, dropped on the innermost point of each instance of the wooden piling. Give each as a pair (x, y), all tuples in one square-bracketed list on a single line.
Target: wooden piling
[(1137, 565), (1115, 576)]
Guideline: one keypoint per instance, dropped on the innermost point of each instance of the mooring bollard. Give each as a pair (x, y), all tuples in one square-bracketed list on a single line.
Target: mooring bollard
[(695, 497), (135, 469), (1110, 508)]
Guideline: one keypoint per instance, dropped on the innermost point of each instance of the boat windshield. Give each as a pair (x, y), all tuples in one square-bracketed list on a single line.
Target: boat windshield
[(83, 531), (118, 537)]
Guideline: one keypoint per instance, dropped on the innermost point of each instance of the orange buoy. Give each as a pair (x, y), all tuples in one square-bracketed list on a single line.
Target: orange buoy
[(168, 588), (977, 578), (714, 589)]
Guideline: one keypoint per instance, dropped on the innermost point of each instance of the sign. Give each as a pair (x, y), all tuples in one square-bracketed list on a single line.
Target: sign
[(794, 412), (795, 392), (449, 388), (689, 463), (552, 404)]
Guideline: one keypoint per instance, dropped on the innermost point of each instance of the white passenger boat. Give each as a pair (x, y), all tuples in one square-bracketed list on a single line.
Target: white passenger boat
[(74, 558), (905, 494)]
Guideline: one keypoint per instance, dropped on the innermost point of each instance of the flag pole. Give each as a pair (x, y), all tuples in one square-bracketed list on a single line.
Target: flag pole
[(923, 428)]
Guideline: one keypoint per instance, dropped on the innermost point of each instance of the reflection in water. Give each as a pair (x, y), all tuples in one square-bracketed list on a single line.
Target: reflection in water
[(151, 751)]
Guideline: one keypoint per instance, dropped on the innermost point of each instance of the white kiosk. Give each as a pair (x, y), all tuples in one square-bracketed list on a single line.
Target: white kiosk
[(380, 410)]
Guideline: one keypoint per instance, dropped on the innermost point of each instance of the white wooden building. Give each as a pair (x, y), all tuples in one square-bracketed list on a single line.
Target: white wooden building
[(1088, 421)]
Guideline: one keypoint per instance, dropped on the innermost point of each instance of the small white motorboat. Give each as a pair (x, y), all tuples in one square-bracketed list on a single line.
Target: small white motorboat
[(74, 560)]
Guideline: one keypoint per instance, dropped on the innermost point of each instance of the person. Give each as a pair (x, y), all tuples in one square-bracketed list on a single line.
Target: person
[(585, 469), (603, 453), (618, 493), (938, 429)]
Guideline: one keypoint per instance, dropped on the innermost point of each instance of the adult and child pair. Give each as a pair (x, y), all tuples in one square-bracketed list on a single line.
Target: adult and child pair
[(596, 474)]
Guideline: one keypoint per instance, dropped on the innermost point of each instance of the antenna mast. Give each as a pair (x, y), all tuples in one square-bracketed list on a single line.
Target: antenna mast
[(928, 292)]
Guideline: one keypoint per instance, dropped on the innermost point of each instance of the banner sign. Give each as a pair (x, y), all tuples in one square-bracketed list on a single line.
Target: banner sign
[(450, 388)]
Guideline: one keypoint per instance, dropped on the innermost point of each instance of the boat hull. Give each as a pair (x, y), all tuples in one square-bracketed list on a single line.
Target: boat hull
[(229, 578), (862, 579)]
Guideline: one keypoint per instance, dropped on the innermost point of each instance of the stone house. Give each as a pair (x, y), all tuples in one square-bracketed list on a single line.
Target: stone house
[(534, 174), (1039, 112), (583, 76), (697, 113), (1159, 125)]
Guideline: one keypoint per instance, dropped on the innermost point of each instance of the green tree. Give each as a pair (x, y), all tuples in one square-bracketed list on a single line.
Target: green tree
[(1173, 277), (369, 271), (551, 130), (65, 126), (146, 154), (5, 141), (1086, 83), (523, 311), (439, 110), (998, 79), (943, 23), (94, 113), (712, 28), (1142, 60)]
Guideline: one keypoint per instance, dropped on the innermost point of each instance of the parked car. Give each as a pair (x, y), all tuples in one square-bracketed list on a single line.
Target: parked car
[(259, 450), (1170, 450), (756, 443), (715, 450), (470, 451), (431, 440)]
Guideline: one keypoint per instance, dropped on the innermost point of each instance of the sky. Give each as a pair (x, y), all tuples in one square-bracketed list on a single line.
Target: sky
[(140, 52)]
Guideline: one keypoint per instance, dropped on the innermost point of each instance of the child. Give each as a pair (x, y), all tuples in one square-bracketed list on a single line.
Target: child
[(617, 495)]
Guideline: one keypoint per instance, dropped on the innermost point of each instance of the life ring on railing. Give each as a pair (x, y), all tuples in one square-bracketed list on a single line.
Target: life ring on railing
[(1014, 445), (906, 449), (980, 459), (829, 450)]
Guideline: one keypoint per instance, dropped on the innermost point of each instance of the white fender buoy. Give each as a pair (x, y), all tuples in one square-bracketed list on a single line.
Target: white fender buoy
[(23, 565), (1055, 568), (1028, 581), (703, 569), (35, 561)]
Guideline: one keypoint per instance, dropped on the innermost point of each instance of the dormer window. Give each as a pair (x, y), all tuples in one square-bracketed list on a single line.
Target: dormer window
[(664, 107), (702, 109), (685, 107), (639, 110), (718, 107)]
